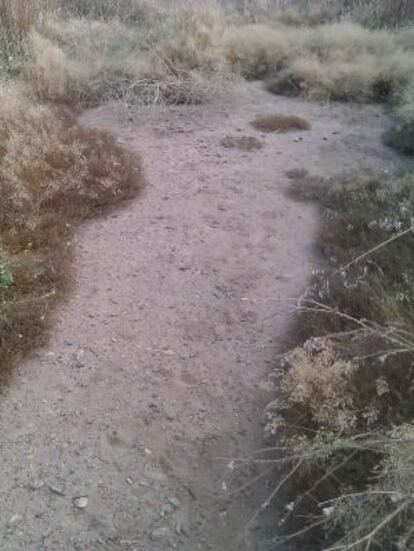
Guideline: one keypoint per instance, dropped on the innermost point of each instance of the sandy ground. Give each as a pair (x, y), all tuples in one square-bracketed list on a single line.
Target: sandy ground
[(155, 376)]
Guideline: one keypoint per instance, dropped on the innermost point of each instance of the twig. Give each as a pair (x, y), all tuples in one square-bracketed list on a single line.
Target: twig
[(370, 535), (374, 249), (274, 493)]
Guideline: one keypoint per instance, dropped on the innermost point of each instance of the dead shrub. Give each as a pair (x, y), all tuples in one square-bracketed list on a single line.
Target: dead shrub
[(52, 176), (344, 396), (244, 143), (315, 381), (280, 123)]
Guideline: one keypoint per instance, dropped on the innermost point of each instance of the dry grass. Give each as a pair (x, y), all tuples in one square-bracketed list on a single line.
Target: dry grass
[(167, 57), (52, 175), (280, 123), (334, 60), (244, 143), (93, 51), (255, 50), (344, 395)]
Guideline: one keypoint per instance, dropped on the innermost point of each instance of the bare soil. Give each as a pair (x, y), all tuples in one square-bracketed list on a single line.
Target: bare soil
[(155, 375)]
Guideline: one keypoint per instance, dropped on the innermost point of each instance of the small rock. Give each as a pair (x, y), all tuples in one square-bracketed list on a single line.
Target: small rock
[(80, 502), (166, 510), (182, 528), (15, 519), (160, 533), (36, 484), (178, 528)]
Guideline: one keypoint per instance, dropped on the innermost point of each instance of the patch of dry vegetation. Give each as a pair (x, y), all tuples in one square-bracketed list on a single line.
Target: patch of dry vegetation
[(335, 60), (344, 408), (88, 52), (244, 143), (162, 56), (52, 176), (280, 123)]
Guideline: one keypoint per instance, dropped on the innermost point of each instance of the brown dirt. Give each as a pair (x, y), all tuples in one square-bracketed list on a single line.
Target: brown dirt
[(155, 376)]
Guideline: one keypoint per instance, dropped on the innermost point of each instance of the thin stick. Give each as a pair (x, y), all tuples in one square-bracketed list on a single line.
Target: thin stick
[(368, 537), (374, 249)]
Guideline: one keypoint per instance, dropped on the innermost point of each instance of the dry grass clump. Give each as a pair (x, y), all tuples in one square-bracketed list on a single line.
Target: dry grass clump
[(244, 143), (93, 51), (255, 50), (52, 176), (280, 123), (345, 61), (86, 61), (340, 60), (317, 383), (344, 407)]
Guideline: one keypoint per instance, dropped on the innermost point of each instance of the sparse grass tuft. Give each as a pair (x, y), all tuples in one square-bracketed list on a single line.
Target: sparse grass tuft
[(244, 143), (280, 123)]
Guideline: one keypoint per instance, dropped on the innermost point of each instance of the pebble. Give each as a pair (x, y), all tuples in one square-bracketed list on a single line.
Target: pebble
[(15, 519), (160, 533), (36, 484), (80, 502), (182, 528)]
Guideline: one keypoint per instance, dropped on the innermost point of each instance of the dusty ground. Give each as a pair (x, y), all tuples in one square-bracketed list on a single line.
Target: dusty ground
[(155, 375)]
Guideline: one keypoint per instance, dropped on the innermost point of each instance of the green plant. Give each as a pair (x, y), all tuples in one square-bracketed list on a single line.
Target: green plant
[(6, 277)]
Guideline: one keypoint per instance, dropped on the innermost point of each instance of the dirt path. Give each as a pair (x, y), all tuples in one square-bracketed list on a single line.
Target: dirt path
[(154, 377)]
